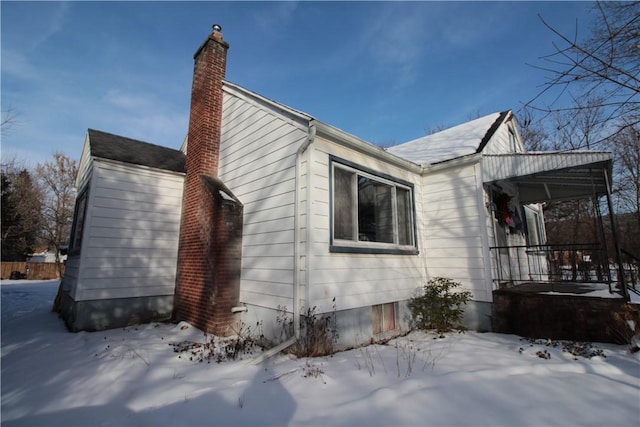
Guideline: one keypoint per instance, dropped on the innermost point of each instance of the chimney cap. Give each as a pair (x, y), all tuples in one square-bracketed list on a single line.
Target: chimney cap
[(216, 36)]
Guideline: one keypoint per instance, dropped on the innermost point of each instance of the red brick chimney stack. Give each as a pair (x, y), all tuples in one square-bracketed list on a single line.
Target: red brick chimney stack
[(206, 105), (196, 286)]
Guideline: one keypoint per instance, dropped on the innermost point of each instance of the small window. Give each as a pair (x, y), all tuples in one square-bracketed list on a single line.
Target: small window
[(370, 212), (384, 318), (78, 223)]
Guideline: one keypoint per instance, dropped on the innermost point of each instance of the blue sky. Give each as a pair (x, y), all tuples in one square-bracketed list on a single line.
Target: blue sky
[(386, 72)]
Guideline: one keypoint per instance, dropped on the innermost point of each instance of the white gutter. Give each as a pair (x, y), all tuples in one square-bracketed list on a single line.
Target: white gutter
[(459, 161), (296, 251), (340, 137)]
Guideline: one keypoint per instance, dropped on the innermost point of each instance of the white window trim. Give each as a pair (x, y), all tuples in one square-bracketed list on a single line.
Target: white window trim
[(356, 246)]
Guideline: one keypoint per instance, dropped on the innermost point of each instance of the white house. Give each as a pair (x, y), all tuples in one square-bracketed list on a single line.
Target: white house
[(47, 255), (327, 220)]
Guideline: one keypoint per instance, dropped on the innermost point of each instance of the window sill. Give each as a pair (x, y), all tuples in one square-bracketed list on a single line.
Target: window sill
[(373, 250)]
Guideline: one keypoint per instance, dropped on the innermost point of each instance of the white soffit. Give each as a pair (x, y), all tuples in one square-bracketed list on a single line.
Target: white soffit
[(546, 176)]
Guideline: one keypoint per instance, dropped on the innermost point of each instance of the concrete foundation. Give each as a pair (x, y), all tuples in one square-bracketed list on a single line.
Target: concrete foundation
[(98, 315), (354, 326), (477, 316)]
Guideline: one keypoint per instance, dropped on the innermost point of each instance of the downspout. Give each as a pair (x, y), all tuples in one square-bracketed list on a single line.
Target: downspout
[(296, 229), (296, 251)]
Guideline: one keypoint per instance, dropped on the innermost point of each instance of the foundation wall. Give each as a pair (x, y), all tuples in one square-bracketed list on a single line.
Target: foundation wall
[(565, 317)]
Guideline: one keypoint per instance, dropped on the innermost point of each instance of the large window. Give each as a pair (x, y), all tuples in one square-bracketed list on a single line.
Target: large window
[(370, 212)]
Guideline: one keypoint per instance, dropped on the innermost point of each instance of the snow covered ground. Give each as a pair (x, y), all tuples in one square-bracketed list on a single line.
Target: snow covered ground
[(132, 377)]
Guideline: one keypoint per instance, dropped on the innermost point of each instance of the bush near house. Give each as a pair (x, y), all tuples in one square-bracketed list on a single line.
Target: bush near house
[(318, 333), (439, 306)]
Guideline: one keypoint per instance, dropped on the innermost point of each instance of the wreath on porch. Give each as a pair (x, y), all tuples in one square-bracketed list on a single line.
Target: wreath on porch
[(504, 215)]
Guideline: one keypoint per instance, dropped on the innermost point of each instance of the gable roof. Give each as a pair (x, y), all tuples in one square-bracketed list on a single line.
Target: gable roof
[(322, 128), (114, 147), (461, 140)]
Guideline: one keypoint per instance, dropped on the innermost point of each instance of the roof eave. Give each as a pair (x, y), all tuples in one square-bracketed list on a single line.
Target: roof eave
[(137, 165), (502, 118), (284, 109), (455, 162), (350, 141)]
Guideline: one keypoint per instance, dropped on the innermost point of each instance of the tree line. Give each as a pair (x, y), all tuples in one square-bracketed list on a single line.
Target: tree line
[(37, 206)]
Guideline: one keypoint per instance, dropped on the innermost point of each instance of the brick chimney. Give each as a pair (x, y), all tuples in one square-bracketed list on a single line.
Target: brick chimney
[(208, 275)]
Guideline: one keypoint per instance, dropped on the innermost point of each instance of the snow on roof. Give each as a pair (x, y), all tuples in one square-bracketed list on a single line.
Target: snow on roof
[(458, 141)]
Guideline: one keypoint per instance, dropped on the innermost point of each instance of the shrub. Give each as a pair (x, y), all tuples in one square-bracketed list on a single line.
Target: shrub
[(318, 333), (439, 307), (222, 349)]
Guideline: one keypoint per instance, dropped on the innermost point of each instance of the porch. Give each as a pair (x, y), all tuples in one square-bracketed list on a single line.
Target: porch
[(563, 268), (521, 254), (564, 291)]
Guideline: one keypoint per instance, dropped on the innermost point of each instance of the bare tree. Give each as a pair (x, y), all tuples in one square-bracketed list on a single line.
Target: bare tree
[(580, 128), (627, 168), (604, 66), (593, 95), (533, 134), (57, 178)]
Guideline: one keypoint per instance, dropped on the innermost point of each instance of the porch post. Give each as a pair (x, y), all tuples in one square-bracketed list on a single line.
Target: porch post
[(614, 233)]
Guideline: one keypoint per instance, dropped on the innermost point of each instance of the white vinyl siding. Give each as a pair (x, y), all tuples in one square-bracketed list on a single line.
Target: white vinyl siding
[(130, 240), (84, 166), (506, 139), (453, 238), (83, 183), (354, 279), (70, 280), (257, 163)]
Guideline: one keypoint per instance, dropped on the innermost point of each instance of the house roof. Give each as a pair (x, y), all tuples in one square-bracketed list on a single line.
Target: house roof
[(461, 140), (458, 141), (114, 147)]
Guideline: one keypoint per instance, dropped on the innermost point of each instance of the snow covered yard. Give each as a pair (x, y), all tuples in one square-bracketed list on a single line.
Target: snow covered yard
[(132, 376)]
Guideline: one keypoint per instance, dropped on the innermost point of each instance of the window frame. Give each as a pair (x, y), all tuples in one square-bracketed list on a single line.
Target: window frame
[(382, 324), (358, 246), (533, 217), (79, 222)]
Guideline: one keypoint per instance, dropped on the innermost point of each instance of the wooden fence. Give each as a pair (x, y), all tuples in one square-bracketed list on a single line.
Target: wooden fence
[(32, 270)]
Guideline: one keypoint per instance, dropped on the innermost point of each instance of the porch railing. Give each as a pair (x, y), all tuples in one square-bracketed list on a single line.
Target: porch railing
[(552, 263), (631, 264)]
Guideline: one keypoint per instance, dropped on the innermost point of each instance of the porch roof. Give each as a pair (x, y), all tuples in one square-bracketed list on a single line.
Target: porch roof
[(548, 176)]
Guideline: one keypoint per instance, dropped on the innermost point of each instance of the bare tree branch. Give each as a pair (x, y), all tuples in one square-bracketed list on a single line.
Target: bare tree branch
[(9, 119)]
